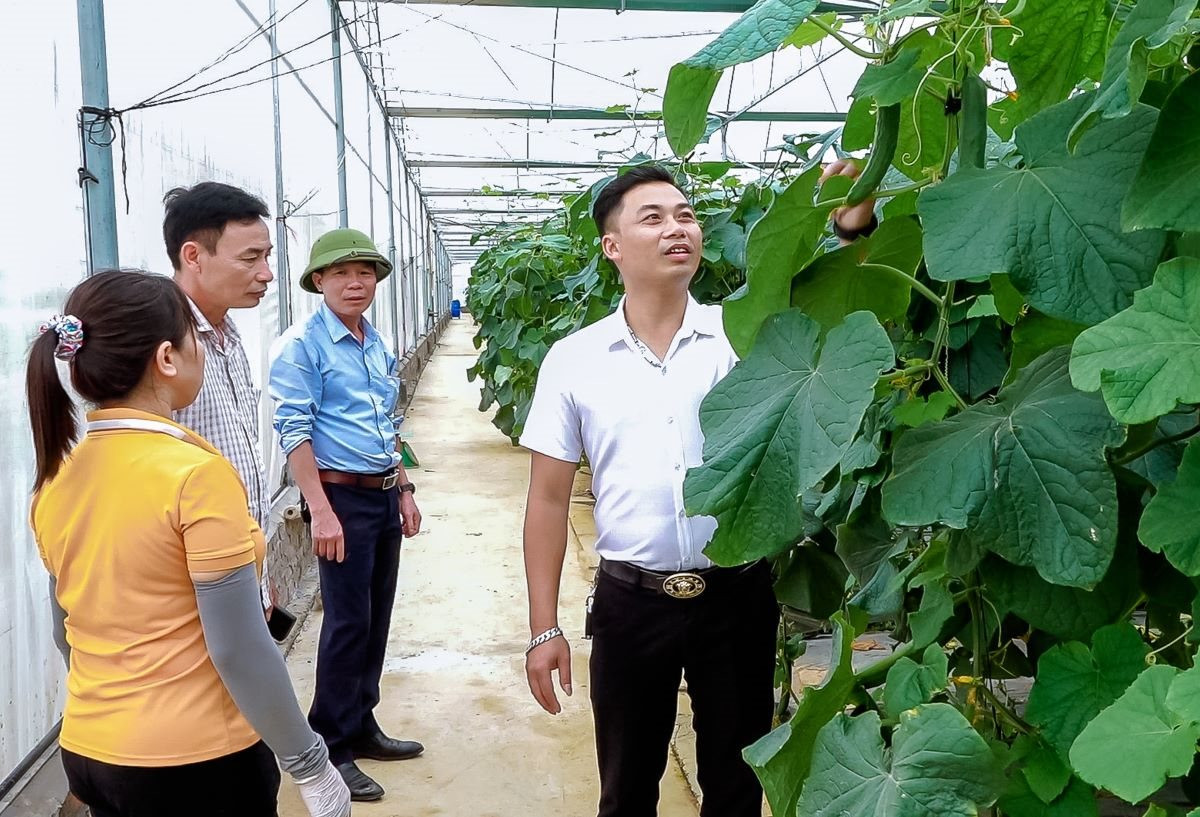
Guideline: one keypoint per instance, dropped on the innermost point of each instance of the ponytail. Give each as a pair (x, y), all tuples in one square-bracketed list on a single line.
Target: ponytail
[(51, 410), (112, 324)]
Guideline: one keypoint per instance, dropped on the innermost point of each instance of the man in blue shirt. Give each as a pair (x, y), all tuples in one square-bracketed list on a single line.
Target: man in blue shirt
[(332, 383)]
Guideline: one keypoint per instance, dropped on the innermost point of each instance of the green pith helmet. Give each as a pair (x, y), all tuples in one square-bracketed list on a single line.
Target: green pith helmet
[(343, 245)]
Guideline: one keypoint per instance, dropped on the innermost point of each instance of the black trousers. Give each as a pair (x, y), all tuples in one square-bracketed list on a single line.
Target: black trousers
[(357, 595), (243, 784), (723, 643)]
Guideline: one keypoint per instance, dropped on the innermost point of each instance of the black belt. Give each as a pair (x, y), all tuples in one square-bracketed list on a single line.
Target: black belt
[(685, 584)]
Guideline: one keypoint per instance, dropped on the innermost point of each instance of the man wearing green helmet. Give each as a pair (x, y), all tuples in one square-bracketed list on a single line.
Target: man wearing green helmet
[(331, 379)]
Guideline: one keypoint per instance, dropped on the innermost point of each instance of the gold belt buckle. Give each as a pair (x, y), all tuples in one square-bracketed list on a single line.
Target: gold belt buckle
[(683, 585)]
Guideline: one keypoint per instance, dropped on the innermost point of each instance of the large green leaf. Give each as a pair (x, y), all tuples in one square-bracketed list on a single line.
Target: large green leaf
[(1166, 191), (937, 606), (812, 582), (910, 684), (859, 128), (1009, 302), (1054, 224), (1035, 334), (1160, 465), (1075, 683), (777, 424), (810, 33), (1147, 358), (1133, 746), (938, 767), (1064, 612), (1079, 800), (1168, 524), (685, 105), (979, 366), (861, 276), (891, 82), (690, 85), (1184, 696), (782, 758), (1150, 25), (778, 244), (1027, 473), (918, 411), (1060, 44), (866, 545), (1043, 768)]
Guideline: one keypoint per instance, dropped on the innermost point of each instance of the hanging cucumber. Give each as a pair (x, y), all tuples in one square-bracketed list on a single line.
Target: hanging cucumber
[(972, 122), (887, 136)]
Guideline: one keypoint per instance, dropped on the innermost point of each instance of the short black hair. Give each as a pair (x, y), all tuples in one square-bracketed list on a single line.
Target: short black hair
[(200, 213), (609, 198)]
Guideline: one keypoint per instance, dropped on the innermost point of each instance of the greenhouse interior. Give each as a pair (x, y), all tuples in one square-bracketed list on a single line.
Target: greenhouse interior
[(703, 408)]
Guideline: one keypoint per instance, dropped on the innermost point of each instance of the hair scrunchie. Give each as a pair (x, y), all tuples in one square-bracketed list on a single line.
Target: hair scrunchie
[(69, 330)]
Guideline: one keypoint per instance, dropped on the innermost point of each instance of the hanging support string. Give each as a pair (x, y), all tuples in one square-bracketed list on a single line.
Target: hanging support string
[(96, 128)]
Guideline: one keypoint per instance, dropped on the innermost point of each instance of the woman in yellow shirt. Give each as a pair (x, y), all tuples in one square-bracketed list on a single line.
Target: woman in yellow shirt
[(154, 562)]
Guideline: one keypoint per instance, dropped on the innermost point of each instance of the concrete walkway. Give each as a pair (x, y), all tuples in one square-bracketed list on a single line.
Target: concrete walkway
[(455, 676)]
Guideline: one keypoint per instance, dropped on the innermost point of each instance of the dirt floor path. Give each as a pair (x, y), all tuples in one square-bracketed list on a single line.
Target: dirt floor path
[(455, 673)]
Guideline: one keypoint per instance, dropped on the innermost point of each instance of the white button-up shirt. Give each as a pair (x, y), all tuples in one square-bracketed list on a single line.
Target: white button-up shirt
[(599, 394)]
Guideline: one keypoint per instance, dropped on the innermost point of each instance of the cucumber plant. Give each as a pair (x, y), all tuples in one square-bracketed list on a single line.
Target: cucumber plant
[(981, 424)]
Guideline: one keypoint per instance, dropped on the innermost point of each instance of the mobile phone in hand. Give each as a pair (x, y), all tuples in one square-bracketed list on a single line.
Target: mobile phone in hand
[(280, 624)]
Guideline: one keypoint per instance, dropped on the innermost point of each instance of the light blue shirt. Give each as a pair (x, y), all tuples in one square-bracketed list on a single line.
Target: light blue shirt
[(336, 392)]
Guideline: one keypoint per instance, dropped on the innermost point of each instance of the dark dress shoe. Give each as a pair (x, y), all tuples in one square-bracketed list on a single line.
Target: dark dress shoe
[(362, 788), (380, 747)]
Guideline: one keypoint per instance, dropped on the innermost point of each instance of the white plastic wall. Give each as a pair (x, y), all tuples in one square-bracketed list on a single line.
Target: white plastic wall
[(229, 137)]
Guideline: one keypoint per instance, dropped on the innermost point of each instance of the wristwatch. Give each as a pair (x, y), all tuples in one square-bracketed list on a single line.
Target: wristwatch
[(408, 486)]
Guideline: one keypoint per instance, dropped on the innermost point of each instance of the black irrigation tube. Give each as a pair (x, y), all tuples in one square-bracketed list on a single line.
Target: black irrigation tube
[(27, 762)]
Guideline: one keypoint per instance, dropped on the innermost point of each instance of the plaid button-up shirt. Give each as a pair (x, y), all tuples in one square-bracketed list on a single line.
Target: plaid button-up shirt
[(226, 411)]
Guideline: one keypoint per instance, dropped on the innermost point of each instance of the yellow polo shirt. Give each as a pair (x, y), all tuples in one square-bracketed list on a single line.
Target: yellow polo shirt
[(130, 514)]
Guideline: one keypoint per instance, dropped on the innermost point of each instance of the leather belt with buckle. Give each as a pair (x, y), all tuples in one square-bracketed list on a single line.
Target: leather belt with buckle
[(681, 585), (379, 482)]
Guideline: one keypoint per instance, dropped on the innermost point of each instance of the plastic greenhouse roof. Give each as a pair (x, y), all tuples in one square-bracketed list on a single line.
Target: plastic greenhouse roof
[(554, 61)]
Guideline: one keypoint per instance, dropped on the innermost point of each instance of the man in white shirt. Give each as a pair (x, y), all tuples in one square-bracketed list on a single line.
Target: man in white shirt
[(626, 391)]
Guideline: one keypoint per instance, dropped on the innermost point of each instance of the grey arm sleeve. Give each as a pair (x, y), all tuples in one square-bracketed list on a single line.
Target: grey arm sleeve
[(253, 671), (59, 617)]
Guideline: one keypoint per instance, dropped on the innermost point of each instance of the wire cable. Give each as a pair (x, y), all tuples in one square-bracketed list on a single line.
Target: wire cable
[(236, 48), (524, 50), (189, 94)]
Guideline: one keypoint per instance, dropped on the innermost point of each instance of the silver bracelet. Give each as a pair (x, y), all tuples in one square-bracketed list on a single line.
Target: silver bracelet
[(549, 635)]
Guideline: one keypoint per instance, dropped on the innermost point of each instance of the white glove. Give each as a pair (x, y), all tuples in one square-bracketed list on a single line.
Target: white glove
[(325, 794)]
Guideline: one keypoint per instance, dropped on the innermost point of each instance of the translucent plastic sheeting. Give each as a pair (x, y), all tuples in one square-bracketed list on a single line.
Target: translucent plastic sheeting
[(473, 57), (225, 136)]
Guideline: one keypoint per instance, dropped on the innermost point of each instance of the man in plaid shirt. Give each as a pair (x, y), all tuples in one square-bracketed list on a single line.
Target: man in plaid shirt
[(219, 244)]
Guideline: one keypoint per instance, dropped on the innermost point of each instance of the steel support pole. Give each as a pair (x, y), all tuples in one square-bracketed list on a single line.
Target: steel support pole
[(335, 17), (96, 136), (283, 285), (410, 283), (397, 280)]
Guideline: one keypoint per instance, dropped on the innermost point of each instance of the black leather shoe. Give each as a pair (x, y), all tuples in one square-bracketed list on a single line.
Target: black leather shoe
[(362, 788), (380, 747)]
